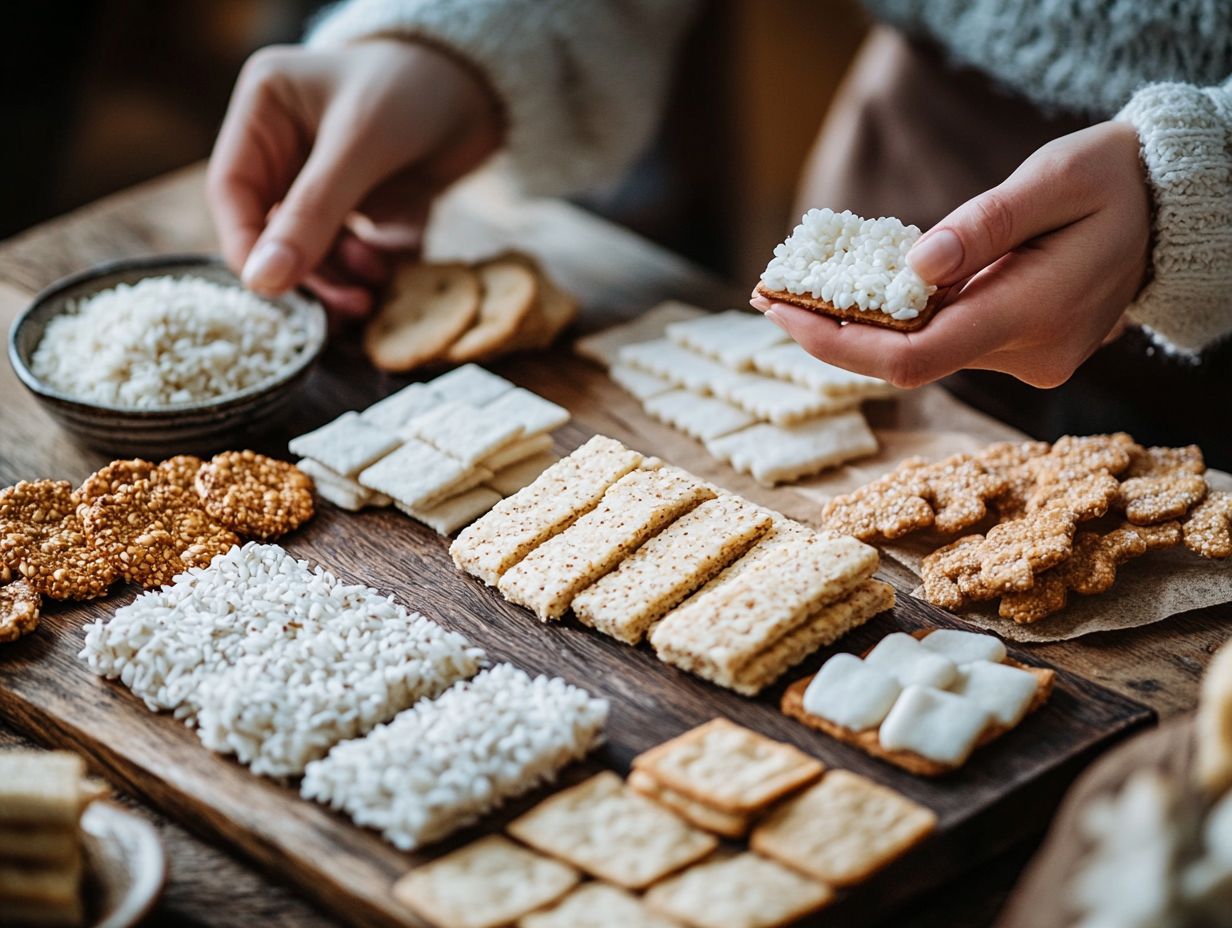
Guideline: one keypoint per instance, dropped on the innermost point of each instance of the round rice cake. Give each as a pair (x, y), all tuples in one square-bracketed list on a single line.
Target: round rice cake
[(20, 604), (181, 470), (111, 477), (257, 496), (151, 531), (42, 539)]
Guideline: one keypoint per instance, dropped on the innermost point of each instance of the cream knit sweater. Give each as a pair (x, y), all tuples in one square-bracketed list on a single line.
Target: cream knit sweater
[(583, 82)]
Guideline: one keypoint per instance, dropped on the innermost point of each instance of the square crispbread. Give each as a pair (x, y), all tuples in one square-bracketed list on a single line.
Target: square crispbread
[(347, 445), (729, 767), (731, 337), (470, 383), (842, 830), (397, 409), (344, 492), (776, 401), (564, 492), (604, 347), (416, 474), (611, 832), (529, 410), (664, 358), (707, 818), (670, 566), (743, 891), (700, 417), (854, 313), (468, 433), (774, 454), (484, 884), (639, 383), (597, 905), (719, 630), (633, 509), (792, 363), (41, 788), (513, 478), (526, 447), (450, 514)]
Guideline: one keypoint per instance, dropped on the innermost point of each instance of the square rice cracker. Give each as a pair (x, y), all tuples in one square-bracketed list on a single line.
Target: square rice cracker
[(700, 417), (484, 884), (511, 479), (526, 447), (727, 824), (603, 348), (775, 401), (468, 433), (450, 514), (343, 492), (559, 496), (842, 830), (854, 313), (470, 383), (416, 474), (347, 445), (666, 359), (662, 572), (612, 833), (775, 454), (597, 905), (731, 337), (729, 767), (792, 363), (743, 891), (397, 409), (529, 410), (634, 508), (639, 384)]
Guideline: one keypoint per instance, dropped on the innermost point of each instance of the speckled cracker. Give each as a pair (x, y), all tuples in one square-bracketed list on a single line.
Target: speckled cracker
[(254, 495), (744, 891), (487, 883), (597, 905), (1009, 460), (604, 347), (529, 410), (449, 515), (612, 833), (468, 433), (842, 830), (347, 445), (670, 566), (397, 409), (1148, 500), (43, 540), (513, 478), (416, 474), (707, 818), (893, 505), (731, 337), (1159, 461), (700, 417), (528, 447), (792, 363), (664, 358), (470, 383), (633, 509), (729, 767), (959, 489), (20, 605), (563, 493), (639, 383), (1092, 452), (775, 401), (775, 454), (1208, 529), (1086, 494), (182, 470)]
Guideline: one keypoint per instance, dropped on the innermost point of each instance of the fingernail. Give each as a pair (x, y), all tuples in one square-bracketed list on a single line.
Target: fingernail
[(270, 267), (936, 255), (776, 319)]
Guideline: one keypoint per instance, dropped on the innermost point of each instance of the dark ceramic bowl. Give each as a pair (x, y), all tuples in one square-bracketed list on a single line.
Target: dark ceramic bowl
[(206, 426)]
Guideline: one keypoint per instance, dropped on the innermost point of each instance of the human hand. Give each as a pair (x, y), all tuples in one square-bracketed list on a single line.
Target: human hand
[(1036, 273), (328, 160)]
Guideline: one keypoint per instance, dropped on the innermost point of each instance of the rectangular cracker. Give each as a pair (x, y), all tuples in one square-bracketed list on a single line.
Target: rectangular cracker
[(779, 402), (727, 824), (729, 767), (470, 383), (453, 512), (511, 479), (484, 884), (720, 629), (596, 905), (633, 509), (525, 447), (731, 337), (397, 409), (666, 359), (842, 830), (662, 572), (775, 454), (603, 347), (415, 474), (744, 890), (529, 410), (791, 362), (612, 833), (463, 431), (344, 492), (347, 445), (639, 384), (564, 492), (41, 788), (700, 417)]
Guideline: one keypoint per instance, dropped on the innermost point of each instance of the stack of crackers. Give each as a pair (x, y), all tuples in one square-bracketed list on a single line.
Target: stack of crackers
[(1036, 522), (42, 796), (137, 521), (738, 383), (443, 452), (639, 549), (650, 863), (455, 313)]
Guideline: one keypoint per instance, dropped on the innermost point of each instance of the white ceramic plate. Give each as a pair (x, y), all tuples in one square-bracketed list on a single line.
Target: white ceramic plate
[(125, 866)]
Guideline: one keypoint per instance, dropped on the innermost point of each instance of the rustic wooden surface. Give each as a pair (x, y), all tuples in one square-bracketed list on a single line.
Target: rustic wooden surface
[(617, 274)]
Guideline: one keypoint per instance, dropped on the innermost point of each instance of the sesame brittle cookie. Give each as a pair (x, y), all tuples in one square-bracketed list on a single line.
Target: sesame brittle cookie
[(180, 470), (42, 539), (1208, 530), (19, 610), (255, 495), (111, 477)]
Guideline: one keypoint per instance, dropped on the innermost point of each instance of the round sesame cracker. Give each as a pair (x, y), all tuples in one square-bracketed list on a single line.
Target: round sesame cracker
[(181, 470), (111, 477), (255, 495), (151, 530), (19, 610), (42, 539)]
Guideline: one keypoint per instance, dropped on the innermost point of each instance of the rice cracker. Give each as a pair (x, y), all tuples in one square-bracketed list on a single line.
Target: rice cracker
[(346, 445), (468, 433), (700, 417), (603, 348), (774, 401), (639, 383), (526, 447), (513, 478), (666, 359), (425, 309), (344, 492), (791, 362), (596, 905), (775, 454), (450, 514), (731, 337), (418, 474), (254, 495), (470, 383), (529, 410)]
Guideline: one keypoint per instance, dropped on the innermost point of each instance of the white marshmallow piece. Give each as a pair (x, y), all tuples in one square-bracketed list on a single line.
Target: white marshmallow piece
[(942, 727), (1002, 691), (965, 647), (907, 660), (849, 692)]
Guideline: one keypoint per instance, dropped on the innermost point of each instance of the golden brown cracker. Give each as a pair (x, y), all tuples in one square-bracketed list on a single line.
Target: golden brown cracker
[(1091, 453), (1086, 494), (854, 313), (43, 540), (111, 477), (426, 308), (889, 507), (181, 470), (1148, 500), (1208, 529), (20, 605), (1161, 461), (727, 824), (254, 495), (960, 488)]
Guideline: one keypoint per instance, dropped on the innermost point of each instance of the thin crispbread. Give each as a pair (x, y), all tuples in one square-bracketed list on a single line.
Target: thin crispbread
[(511, 479), (727, 824), (344, 492), (470, 383), (603, 348), (509, 291), (731, 337), (854, 313), (463, 431), (700, 417), (529, 410), (777, 402), (792, 363), (453, 512), (526, 447), (597, 905), (774, 454), (346, 445), (397, 409), (664, 358), (417, 474)]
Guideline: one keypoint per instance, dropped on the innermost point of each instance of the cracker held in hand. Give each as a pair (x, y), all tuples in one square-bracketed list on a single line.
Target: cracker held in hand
[(254, 495), (853, 269), (427, 307), (20, 605), (44, 541)]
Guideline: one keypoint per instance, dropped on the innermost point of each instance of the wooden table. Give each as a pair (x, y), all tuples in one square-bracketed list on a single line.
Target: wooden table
[(617, 275)]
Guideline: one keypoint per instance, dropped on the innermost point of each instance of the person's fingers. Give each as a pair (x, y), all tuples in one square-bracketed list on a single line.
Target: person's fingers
[(340, 294), (358, 259)]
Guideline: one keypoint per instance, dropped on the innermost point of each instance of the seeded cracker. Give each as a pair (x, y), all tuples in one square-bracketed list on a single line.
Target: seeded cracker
[(19, 610), (1092, 453), (42, 539), (597, 905), (111, 477), (889, 507), (1086, 494), (1148, 500), (1009, 460), (255, 495), (181, 470), (1208, 530)]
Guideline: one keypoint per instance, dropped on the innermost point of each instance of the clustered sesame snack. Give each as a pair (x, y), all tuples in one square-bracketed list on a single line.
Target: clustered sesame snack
[(443, 452), (851, 268), (1033, 522), (720, 587), (646, 851), (738, 383)]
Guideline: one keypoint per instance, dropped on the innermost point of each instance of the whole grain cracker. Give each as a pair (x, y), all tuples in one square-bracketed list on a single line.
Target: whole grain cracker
[(699, 417), (20, 605), (43, 540), (254, 495), (774, 454), (1161, 461), (842, 830), (596, 905), (1148, 500), (1208, 528), (707, 818), (612, 833)]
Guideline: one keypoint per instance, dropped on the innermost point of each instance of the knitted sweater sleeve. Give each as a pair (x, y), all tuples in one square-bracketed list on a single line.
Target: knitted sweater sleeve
[(582, 83), (1186, 135)]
